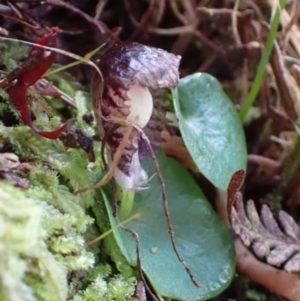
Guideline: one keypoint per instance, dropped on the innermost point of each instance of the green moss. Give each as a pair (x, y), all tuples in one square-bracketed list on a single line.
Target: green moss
[(10, 54), (24, 251), (117, 288), (43, 230)]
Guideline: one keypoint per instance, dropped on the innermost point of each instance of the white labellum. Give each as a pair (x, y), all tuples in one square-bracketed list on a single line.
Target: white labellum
[(140, 104)]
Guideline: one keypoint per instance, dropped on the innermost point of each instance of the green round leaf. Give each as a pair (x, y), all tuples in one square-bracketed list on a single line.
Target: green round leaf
[(210, 127), (201, 237)]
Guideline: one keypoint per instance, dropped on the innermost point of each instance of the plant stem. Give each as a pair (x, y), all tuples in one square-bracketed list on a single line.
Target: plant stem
[(263, 62), (126, 198), (131, 218), (77, 62)]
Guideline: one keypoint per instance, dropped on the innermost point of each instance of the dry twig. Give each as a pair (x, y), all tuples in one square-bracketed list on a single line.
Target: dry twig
[(277, 281), (279, 242), (283, 81)]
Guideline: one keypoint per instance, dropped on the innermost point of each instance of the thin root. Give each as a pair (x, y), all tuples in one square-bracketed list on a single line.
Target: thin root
[(166, 208)]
